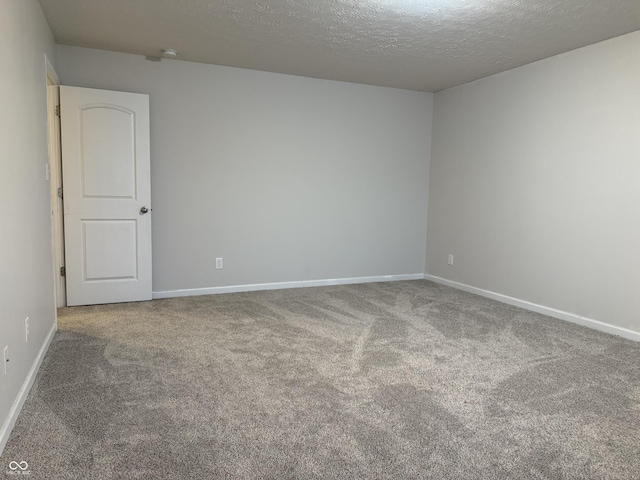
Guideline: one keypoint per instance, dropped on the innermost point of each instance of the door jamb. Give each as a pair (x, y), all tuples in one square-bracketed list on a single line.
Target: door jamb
[(55, 176)]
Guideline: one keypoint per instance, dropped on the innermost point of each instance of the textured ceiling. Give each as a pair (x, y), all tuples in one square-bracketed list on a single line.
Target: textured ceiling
[(414, 44)]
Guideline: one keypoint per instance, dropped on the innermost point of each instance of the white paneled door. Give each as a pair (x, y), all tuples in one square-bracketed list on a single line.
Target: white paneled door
[(107, 195)]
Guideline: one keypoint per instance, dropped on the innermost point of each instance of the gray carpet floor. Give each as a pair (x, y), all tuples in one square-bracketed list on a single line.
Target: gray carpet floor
[(389, 380)]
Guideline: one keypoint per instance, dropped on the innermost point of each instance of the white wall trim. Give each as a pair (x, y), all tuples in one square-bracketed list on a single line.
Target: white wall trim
[(281, 285), (10, 421), (534, 307)]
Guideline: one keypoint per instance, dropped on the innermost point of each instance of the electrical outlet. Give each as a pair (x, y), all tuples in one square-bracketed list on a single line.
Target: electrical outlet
[(218, 264), (26, 329), (450, 262), (5, 359)]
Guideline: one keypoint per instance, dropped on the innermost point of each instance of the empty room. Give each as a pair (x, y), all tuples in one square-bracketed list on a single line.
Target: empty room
[(376, 239)]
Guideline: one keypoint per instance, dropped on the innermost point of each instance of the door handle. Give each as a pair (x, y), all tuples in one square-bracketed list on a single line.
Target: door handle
[(143, 210)]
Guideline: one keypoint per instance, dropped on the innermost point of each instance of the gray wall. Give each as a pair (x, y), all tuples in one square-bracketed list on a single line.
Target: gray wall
[(26, 267), (535, 183), (287, 178)]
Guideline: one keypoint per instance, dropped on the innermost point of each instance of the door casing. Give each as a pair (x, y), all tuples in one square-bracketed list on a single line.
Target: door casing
[(55, 179)]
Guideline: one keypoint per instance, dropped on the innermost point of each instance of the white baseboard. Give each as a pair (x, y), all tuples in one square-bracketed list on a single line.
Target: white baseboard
[(534, 307), (10, 421), (281, 285)]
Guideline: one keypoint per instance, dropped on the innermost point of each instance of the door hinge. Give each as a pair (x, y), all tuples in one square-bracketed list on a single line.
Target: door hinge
[(57, 110), (60, 192), (63, 272)]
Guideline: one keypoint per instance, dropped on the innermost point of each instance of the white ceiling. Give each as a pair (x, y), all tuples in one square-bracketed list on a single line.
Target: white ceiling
[(414, 44)]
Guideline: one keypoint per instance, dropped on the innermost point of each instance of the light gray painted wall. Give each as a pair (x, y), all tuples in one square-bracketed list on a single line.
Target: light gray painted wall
[(26, 268), (535, 183), (287, 178)]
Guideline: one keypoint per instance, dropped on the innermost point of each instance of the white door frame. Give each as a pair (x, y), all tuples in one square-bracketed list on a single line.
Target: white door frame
[(55, 177)]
